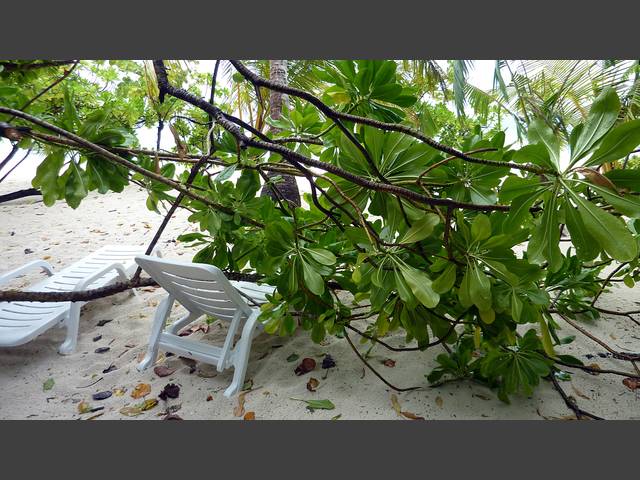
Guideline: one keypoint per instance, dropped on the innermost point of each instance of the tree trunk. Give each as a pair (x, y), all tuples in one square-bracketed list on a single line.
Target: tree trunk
[(288, 187)]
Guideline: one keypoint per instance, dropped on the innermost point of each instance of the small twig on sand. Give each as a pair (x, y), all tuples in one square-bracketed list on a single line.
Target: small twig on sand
[(353, 347), (91, 384), (571, 402)]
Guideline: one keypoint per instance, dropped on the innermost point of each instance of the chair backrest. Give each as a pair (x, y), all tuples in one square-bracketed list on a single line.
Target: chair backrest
[(197, 286)]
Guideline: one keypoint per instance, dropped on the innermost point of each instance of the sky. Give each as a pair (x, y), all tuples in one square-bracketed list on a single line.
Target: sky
[(480, 76)]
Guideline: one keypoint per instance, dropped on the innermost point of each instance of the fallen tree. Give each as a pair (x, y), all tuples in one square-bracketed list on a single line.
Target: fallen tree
[(425, 235)]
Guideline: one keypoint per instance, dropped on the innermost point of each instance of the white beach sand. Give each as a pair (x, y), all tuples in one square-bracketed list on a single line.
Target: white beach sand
[(63, 235)]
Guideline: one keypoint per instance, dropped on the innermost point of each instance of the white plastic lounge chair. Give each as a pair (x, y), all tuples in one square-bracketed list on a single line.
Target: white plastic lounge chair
[(21, 322), (203, 290)]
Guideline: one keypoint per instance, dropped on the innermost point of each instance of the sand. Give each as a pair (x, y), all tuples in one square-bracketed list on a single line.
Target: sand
[(29, 230)]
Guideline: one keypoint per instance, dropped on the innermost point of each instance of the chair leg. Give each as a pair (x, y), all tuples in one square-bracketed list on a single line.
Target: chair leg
[(241, 355), (159, 321), (72, 324)]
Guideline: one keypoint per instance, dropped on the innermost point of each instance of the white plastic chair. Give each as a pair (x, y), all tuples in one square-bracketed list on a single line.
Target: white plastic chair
[(203, 290), (21, 322)]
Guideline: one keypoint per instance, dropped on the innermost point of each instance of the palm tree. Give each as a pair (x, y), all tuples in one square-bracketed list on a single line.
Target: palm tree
[(557, 91), (288, 187)]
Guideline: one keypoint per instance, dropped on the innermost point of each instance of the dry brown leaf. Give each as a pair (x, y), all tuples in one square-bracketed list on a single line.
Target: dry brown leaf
[(84, 407), (163, 371), (439, 401), (312, 384), (148, 404), (481, 396), (305, 366), (131, 411), (209, 398), (594, 366), (631, 383), (389, 363), (595, 177), (238, 411), (250, 416), (411, 416), (118, 392), (141, 390), (396, 404)]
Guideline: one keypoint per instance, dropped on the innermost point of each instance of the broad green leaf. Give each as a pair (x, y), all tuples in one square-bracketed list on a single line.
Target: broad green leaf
[(610, 232), (75, 187), (586, 246), (520, 209), (479, 288), (516, 307), (628, 179), (547, 344), (545, 241), (225, 173), (602, 116), (420, 229), (480, 228), (420, 285), (463, 292), (536, 154), (445, 281), (628, 205), (403, 289), (317, 404), (248, 184), (320, 255), (46, 178), (487, 316), (616, 144), (539, 132), (312, 279)]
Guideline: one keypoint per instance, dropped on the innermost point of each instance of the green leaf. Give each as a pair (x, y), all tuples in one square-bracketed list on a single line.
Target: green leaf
[(539, 132), (420, 229), (516, 307), (520, 209), (446, 280), (627, 178), (547, 344), (190, 237), (225, 173), (536, 154), (248, 184), (320, 255), (545, 241), (48, 384), (317, 404), (46, 178), (611, 234), (75, 187), (616, 144), (293, 357), (312, 279), (479, 288), (602, 116), (403, 289), (480, 228), (628, 205), (420, 285), (586, 246)]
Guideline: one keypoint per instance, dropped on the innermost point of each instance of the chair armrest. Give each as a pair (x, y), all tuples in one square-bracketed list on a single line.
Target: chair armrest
[(46, 266), (85, 282)]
